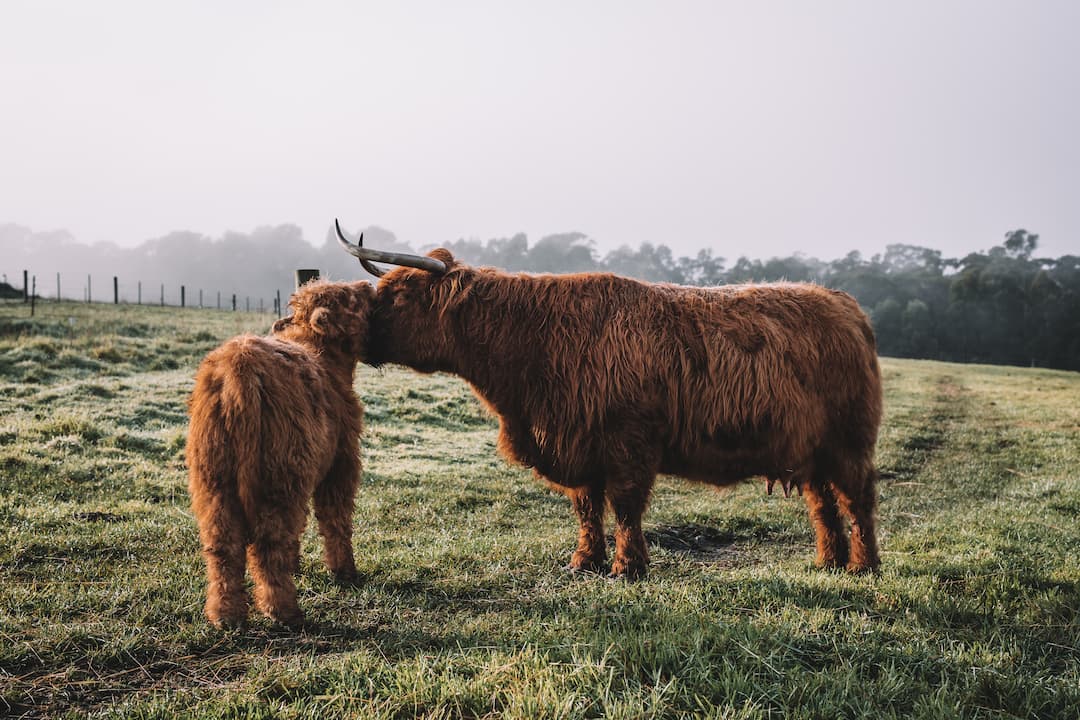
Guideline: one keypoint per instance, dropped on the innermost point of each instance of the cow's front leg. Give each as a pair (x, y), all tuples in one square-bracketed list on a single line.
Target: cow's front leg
[(591, 553), (628, 500)]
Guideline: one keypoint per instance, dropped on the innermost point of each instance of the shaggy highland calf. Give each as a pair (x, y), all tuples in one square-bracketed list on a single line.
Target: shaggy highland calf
[(274, 422), (601, 382)]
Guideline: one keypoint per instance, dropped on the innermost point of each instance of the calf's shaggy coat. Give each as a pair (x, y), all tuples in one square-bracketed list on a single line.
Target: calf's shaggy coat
[(274, 422), (601, 382)]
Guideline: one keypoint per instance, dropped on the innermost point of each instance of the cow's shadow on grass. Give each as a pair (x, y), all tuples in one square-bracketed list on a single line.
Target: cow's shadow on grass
[(727, 546), (693, 540)]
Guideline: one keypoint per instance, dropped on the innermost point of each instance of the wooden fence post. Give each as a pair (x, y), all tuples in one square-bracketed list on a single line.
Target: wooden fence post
[(89, 295), (306, 275), (115, 290), (57, 287), (181, 296), (25, 287), (33, 296)]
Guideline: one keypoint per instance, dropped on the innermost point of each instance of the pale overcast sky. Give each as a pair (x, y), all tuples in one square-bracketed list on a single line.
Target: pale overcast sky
[(756, 128)]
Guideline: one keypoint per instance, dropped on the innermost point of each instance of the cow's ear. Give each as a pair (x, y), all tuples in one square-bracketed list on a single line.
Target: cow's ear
[(320, 320), (281, 323), (443, 255)]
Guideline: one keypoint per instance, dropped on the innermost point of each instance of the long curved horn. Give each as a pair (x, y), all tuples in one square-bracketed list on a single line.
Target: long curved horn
[(366, 255)]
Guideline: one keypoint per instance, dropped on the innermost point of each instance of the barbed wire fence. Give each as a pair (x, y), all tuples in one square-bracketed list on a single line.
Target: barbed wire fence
[(232, 301)]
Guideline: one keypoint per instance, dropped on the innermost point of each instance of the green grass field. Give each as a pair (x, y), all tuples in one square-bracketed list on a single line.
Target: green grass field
[(463, 609)]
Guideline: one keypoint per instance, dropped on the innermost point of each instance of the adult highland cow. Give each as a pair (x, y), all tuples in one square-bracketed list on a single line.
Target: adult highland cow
[(601, 382), (275, 421)]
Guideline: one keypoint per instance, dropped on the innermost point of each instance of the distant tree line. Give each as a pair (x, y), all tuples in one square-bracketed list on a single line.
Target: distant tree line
[(1005, 305)]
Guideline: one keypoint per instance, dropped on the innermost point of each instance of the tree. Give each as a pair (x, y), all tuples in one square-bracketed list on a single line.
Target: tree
[(917, 327), (702, 269), (1020, 243), (564, 252), (887, 320), (649, 262)]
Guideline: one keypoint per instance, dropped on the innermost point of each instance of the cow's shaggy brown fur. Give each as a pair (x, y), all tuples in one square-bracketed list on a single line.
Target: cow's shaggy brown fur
[(275, 421), (601, 382)]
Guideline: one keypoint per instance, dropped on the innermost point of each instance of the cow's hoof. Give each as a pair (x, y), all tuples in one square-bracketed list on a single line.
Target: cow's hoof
[(623, 570), (584, 571), (581, 563), (860, 569), (347, 577), (831, 561)]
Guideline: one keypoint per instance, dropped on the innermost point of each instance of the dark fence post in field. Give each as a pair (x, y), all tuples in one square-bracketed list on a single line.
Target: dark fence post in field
[(260, 306), (57, 287), (218, 299), (234, 302), (25, 287), (182, 296), (305, 275), (115, 290), (33, 296), (89, 295), (279, 311), (200, 298), (140, 292), (162, 294)]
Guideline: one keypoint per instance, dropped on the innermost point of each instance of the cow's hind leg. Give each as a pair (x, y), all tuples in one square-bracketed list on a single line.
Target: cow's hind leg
[(832, 546), (855, 486), (591, 553), (221, 532), (334, 503)]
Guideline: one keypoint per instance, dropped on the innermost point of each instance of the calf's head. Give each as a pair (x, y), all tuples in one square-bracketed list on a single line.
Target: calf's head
[(333, 317)]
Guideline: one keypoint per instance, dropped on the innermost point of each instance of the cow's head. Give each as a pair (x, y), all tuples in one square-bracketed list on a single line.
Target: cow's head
[(413, 322), (332, 316)]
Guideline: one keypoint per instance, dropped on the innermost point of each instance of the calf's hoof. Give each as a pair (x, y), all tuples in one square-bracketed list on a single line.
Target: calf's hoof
[(292, 619), (227, 622), (226, 614)]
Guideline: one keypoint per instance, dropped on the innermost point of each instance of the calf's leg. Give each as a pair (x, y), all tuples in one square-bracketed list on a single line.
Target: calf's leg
[(335, 499), (221, 532), (274, 556)]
